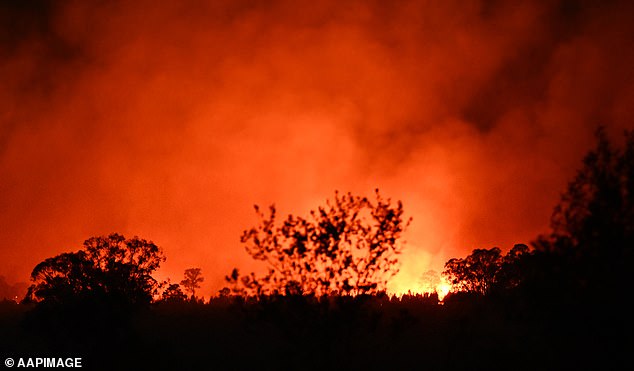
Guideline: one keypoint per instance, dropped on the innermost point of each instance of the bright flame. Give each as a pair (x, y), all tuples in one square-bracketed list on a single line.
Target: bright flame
[(443, 289)]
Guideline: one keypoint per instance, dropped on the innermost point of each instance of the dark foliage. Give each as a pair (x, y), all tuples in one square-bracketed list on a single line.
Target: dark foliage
[(590, 247), (193, 278), (468, 332), (562, 305), (110, 267), (173, 294), (475, 273), (485, 271), (84, 303), (350, 246), (592, 239)]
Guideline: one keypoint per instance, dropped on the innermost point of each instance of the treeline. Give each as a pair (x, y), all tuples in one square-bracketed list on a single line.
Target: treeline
[(560, 303), (351, 246), (469, 331)]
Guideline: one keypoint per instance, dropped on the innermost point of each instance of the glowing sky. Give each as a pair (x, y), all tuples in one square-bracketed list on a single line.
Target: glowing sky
[(169, 120)]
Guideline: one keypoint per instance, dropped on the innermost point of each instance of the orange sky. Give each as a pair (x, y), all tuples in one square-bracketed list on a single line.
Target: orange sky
[(170, 121)]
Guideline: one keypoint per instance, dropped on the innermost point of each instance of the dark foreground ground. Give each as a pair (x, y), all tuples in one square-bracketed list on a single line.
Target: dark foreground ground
[(299, 333)]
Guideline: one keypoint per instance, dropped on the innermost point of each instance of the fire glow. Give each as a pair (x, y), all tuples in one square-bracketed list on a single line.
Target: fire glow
[(168, 121)]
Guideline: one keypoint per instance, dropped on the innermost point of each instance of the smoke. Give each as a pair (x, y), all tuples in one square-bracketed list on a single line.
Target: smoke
[(169, 121)]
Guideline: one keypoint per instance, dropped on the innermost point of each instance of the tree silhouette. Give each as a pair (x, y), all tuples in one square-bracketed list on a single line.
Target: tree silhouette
[(110, 267), (173, 294), (484, 271), (593, 225), (514, 268), (193, 278), (475, 273), (597, 209), (590, 246), (350, 246)]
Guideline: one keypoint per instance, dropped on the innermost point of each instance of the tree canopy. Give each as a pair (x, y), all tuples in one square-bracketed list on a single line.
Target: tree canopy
[(110, 267), (597, 209), (593, 225), (349, 246), (192, 280), (173, 294), (485, 270), (591, 239)]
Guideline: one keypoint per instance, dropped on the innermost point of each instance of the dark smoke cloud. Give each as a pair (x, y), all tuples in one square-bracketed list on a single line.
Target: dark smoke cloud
[(170, 120)]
